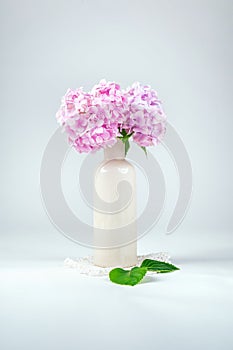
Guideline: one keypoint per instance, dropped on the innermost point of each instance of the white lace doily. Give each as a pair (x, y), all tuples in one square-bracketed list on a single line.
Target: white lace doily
[(86, 266)]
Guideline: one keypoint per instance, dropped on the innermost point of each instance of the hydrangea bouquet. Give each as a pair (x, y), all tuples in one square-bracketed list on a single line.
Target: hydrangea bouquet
[(96, 119)]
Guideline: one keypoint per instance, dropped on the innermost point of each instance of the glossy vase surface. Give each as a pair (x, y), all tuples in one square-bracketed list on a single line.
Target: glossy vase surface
[(115, 210)]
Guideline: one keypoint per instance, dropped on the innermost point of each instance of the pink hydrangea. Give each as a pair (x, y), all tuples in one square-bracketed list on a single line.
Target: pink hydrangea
[(111, 96), (146, 118), (94, 120), (90, 122)]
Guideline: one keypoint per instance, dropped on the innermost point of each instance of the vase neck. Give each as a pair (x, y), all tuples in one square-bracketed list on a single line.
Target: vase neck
[(117, 151)]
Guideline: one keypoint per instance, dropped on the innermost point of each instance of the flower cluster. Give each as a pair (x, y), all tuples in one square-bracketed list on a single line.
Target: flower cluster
[(94, 120), (146, 118)]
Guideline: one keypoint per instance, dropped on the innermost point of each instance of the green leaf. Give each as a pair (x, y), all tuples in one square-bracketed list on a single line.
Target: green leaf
[(144, 149), (127, 277), (158, 266)]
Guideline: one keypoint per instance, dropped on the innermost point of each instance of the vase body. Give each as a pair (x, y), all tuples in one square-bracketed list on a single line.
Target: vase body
[(118, 247)]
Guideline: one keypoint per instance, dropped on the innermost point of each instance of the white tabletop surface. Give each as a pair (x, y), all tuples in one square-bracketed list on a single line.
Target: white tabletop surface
[(46, 306)]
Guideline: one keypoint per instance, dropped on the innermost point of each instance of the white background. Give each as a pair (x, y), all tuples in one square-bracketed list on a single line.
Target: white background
[(183, 49)]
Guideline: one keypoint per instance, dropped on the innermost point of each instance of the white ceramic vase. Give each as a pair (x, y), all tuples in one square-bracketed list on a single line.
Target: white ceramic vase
[(110, 173)]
